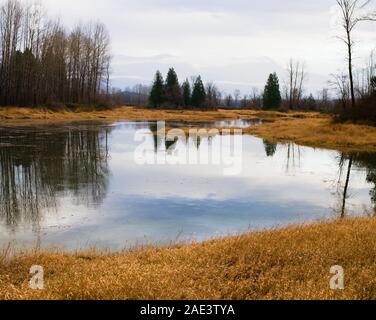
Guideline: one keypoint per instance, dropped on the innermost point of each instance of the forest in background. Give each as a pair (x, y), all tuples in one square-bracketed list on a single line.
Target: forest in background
[(43, 63), (350, 94)]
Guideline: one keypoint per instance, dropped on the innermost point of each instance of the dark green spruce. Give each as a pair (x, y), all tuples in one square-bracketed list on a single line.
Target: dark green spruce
[(157, 94), (198, 94), (173, 91), (272, 95), (187, 93)]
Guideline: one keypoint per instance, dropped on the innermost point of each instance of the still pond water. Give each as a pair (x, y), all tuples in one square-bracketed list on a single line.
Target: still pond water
[(77, 186)]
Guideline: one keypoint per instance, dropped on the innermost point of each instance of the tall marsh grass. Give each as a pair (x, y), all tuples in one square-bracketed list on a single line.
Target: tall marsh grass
[(291, 263)]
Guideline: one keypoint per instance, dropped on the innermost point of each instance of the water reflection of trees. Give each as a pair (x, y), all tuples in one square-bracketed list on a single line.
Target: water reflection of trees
[(293, 156), (270, 148), (38, 165), (183, 136), (368, 161), (293, 152), (347, 162)]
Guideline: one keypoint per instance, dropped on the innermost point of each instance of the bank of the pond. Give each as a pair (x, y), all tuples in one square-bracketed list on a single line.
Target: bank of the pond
[(16, 114), (319, 133), (292, 263), (306, 128)]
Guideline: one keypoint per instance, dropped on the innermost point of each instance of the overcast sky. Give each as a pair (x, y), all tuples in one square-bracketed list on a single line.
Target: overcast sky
[(235, 43)]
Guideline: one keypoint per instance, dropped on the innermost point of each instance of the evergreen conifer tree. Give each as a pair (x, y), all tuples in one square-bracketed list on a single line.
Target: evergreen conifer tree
[(272, 94), (157, 94), (173, 92), (198, 94), (187, 94)]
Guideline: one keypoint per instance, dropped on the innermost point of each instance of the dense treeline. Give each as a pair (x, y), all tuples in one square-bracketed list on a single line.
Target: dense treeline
[(137, 95), (170, 93), (42, 63), (363, 108), (194, 94), (290, 95)]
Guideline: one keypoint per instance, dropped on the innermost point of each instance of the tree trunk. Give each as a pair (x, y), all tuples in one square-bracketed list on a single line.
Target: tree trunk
[(351, 77), (343, 211)]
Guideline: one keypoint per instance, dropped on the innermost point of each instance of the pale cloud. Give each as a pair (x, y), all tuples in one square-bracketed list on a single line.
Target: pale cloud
[(204, 36)]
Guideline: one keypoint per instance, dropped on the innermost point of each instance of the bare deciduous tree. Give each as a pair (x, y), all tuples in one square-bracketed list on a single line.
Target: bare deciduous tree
[(213, 96), (341, 83), (256, 99), (352, 12), (41, 63), (294, 87), (236, 97)]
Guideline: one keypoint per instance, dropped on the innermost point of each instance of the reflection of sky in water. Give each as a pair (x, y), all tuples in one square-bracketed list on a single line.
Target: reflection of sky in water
[(162, 204)]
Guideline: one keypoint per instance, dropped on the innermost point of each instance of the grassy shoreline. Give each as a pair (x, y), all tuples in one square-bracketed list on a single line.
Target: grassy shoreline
[(304, 128), (289, 263), (319, 133)]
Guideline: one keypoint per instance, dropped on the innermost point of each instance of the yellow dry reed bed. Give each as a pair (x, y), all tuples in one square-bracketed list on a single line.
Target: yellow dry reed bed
[(16, 114), (306, 128), (319, 132), (292, 263)]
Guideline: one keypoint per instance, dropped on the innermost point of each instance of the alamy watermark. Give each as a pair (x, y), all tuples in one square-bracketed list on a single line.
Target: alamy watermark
[(337, 282), (191, 147), (37, 278)]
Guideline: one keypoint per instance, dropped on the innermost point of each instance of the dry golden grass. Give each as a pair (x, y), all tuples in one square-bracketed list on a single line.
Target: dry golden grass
[(319, 132), (15, 114), (306, 128), (291, 263)]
